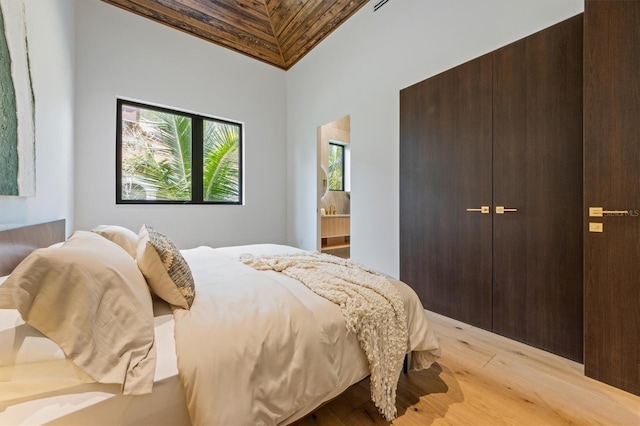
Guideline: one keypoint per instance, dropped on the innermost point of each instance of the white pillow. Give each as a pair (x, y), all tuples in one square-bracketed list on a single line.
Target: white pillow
[(90, 298)]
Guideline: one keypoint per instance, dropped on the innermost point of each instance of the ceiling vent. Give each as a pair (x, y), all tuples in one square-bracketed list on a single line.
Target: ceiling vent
[(379, 4)]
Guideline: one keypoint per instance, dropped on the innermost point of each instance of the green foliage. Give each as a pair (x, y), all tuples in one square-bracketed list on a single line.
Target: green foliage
[(157, 158), (158, 155), (336, 163), (221, 162)]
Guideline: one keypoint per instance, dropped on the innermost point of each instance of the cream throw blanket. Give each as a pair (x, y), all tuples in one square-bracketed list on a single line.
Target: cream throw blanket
[(371, 305)]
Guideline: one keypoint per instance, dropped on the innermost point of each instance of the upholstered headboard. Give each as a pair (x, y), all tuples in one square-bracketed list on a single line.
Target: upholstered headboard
[(17, 243)]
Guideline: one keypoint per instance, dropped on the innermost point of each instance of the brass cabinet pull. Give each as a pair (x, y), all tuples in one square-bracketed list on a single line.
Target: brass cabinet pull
[(483, 210), (503, 210)]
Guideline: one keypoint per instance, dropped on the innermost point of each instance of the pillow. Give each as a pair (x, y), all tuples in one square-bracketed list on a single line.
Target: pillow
[(89, 297), (124, 237), (166, 271), (6, 298)]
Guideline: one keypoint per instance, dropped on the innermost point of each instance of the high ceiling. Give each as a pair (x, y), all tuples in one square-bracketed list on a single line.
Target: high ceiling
[(279, 32)]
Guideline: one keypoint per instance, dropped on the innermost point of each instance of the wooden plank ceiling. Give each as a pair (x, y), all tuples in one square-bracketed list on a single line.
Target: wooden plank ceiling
[(279, 32)]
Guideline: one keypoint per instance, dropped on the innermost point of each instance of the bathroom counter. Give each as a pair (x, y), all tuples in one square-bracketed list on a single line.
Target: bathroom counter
[(336, 232)]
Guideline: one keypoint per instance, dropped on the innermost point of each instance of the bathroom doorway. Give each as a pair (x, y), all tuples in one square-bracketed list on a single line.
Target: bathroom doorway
[(334, 187)]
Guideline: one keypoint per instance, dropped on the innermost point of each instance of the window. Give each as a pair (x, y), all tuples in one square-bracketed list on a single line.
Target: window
[(336, 167), (167, 156)]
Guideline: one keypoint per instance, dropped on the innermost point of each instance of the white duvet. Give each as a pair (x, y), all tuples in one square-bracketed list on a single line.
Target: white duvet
[(259, 348)]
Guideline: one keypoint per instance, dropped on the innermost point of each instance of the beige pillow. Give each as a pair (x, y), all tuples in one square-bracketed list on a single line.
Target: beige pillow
[(89, 297), (6, 296), (166, 271), (124, 237)]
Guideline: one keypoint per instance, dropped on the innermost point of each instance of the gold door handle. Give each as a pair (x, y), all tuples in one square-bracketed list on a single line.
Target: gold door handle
[(503, 210), (483, 210), (599, 212)]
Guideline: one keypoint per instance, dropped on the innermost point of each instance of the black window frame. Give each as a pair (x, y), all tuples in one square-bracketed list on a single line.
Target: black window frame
[(197, 154), (342, 147)]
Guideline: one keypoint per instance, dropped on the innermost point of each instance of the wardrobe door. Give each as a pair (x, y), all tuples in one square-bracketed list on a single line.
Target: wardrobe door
[(537, 178), (445, 169), (612, 181)]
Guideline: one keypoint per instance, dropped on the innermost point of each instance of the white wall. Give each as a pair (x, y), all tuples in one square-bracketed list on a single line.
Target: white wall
[(119, 54), (50, 34), (359, 70)]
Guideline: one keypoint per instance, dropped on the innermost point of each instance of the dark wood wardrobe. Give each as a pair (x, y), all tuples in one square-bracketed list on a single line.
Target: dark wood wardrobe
[(612, 183), (491, 190)]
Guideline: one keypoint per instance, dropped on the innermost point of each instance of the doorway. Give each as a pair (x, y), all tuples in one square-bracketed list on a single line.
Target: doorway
[(334, 187)]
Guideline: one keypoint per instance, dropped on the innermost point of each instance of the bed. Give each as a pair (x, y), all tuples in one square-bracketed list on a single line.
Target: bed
[(221, 358)]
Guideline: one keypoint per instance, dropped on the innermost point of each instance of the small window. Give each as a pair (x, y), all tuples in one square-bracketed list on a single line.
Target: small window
[(336, 167), (166, 156)]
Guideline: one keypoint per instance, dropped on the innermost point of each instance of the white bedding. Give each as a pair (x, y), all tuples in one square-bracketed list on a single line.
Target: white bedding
[(258, 347), (39, 386), (255, 348)]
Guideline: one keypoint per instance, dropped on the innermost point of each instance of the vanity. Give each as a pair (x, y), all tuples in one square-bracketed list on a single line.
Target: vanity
[(336, 236)]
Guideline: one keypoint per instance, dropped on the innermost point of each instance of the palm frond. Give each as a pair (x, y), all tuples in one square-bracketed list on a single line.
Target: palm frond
[(221, 174), (157, 150), (159, 154), (335, 167)]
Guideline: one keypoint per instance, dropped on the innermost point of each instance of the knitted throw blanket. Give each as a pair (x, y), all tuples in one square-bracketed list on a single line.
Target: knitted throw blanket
[(371, 305)]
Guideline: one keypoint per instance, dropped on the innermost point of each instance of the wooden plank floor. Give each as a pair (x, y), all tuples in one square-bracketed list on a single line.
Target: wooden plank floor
[(486, 379)]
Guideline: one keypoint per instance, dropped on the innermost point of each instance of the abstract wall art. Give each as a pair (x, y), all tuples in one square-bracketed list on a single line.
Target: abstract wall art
[(17, 104)]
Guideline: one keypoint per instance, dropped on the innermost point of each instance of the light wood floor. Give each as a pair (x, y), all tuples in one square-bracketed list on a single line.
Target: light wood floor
[(486, 379)]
